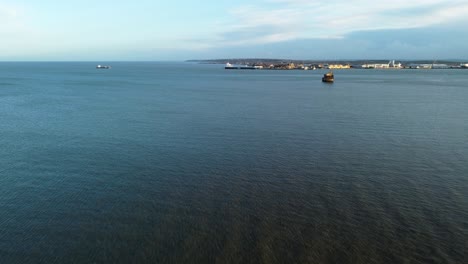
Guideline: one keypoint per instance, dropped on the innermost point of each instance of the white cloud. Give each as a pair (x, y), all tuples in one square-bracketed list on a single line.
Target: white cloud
[(281, 20)]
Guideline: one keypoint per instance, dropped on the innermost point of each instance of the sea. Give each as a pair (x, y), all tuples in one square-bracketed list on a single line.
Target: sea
[(174, 162)]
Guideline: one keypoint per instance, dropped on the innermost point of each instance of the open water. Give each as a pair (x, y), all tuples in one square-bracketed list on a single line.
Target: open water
[(190, 163)]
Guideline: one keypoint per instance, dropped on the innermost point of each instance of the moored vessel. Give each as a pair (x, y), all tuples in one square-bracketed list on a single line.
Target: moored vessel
[(328, 77), (229, 66)]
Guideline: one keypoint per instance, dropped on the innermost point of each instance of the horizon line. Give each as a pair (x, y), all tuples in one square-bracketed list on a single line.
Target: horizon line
[(242, 58)]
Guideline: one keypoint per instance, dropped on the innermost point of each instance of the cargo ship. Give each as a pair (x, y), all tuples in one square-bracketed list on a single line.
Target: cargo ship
[(103, 67), (229, 66)]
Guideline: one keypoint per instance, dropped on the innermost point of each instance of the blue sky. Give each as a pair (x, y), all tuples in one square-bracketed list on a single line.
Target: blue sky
[(179, 30)]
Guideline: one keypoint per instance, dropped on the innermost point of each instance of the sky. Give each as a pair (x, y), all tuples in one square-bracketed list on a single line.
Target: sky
[(182, 29)]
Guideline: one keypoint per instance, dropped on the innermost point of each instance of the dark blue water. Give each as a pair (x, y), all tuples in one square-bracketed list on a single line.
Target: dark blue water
[(188, 163)]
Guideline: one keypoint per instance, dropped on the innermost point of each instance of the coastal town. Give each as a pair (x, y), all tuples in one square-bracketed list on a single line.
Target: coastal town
[(341, 66), (270, 64)]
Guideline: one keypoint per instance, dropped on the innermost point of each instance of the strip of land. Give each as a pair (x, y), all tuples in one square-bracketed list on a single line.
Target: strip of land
[(283, 64)]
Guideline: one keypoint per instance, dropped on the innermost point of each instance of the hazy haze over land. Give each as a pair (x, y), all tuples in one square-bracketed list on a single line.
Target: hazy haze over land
[(164, 30)]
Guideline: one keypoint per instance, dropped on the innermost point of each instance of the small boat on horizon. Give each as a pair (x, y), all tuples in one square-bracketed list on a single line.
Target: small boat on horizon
[(328, 77), (229, 66), (103, 67)]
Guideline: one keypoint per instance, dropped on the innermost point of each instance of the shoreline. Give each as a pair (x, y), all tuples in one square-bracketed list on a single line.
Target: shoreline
[(277, 64)]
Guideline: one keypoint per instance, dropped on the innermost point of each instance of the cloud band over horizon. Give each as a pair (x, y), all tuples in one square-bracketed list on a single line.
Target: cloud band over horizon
[(82, 30)]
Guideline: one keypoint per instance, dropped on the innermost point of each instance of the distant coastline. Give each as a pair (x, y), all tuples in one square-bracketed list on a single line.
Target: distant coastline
[(288, 64)]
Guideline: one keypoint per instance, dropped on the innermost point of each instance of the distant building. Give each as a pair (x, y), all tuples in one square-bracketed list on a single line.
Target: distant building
[(376, 66), (339, 66), (391, 64), (291, 66), (425, 66), (440, 66), (413, 66)]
